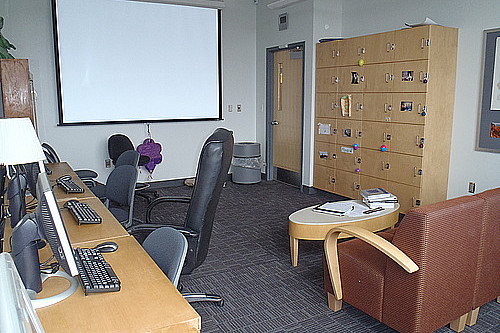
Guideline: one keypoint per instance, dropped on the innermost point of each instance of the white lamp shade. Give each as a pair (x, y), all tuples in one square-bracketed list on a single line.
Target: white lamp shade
[(19, 143)]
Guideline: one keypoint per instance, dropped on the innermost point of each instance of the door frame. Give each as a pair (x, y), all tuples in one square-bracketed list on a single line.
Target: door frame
[(270, 170)]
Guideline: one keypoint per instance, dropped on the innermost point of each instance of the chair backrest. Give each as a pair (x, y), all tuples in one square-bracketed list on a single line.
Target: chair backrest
[(213, 165), (168, 248), (129, 157), (117, 144), (120, 188), (443, 240), (50, 153), (487, 286)]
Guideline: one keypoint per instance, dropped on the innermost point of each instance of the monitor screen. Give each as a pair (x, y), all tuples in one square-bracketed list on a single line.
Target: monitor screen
[(49, 220)]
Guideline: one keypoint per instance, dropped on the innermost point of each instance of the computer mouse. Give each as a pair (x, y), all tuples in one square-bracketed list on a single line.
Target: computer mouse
[(106, 247)]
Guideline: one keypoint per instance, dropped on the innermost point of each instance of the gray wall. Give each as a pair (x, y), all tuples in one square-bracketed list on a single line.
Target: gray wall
[(28, 25)]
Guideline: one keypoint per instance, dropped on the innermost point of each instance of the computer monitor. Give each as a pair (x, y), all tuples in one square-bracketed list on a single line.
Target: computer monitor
[(31, 171), (46, 223), (16, 192), (16, 311)]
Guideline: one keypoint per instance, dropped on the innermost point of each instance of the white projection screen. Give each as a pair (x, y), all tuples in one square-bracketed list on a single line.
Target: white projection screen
[(131, 61)]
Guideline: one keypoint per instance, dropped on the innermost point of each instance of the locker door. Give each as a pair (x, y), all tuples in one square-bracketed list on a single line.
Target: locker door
[(347, 158), (356, 107), (347, 184), (405, 169), (324, 178), (351, 79), (377, 107), (379, 78), (351, 51), (380, 47), (408, 196), (407, 139), (367, 182), (374, 163), (326, 80), (325, 130), (411, 76), (409, 108), (412, 44), (349, 132), (323, 154), (327, 54), (376, 135), (326, 105)]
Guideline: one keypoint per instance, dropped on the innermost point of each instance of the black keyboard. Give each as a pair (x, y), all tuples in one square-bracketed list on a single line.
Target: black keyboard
[(82, 212), (96, 275), (69, 186)]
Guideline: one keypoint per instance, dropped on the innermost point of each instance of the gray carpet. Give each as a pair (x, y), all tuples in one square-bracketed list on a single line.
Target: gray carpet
[(249, 265)]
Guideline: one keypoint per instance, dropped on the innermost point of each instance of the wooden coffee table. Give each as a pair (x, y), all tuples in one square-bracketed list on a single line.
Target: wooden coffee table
[(309, 225)]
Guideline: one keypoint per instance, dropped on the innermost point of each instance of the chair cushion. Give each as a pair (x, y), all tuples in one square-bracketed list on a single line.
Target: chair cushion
[(120, 214), (99, 190)]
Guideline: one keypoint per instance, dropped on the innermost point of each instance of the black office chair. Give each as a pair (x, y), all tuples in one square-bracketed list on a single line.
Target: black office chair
[(213, 166), (119, 194), (129, 157), (86, 175), (119, 143), (168, 248)]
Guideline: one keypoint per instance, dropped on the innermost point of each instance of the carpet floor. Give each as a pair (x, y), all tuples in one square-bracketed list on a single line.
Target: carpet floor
[(248, 263)]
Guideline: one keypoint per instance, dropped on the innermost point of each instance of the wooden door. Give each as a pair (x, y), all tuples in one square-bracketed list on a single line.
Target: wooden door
[(405, 169), (408, 196), (347, 158), (379, 78), (374, 163), (326, 130), (327, 54), (324, 178), (326, 79), (412, 44), (376, 135), (407, 139), (377, 107), (347, 184), (349, 132), (287, 116), (323, 154), (351, 51), (327, 105), (379, 47), (409, 108), (351, 79), (411, 76), (349, 106)]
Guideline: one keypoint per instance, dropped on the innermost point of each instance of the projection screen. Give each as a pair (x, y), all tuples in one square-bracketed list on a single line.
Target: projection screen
[(130, 61)]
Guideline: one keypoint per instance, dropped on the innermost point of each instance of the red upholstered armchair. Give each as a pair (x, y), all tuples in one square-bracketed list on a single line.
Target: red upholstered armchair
[(417, 277)]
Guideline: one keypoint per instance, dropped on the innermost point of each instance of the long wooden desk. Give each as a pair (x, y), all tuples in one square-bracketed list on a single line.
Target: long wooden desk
[(147, 301)]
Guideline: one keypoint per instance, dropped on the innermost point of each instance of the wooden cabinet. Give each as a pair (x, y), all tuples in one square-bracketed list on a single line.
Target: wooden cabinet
[(16, 87), (389, 116)]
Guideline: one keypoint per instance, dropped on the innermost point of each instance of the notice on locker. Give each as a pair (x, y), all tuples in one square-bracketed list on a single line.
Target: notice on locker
[(348, 150)]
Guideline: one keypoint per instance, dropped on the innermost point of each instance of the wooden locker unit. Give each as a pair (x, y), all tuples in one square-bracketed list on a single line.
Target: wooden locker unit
[(16, 86), (401, 113)]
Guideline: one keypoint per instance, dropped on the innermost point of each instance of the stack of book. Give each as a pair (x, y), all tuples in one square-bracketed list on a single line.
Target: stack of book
[(378, 197)]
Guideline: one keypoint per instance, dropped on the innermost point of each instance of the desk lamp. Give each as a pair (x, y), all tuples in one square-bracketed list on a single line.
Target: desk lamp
[(19, 144)]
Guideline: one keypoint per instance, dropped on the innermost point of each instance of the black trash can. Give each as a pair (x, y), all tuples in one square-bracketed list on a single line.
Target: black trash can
[(246, 163)]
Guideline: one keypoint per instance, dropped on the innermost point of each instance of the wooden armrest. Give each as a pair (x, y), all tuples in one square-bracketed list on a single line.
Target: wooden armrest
[(369, 237)]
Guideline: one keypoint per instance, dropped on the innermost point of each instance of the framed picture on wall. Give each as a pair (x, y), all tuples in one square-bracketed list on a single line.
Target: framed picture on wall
[(489, 124)]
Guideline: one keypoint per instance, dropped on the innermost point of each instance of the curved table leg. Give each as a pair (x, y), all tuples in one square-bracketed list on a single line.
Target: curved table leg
[(294, 251)]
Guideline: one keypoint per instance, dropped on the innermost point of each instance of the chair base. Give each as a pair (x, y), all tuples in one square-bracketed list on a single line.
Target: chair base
[(202, 297)]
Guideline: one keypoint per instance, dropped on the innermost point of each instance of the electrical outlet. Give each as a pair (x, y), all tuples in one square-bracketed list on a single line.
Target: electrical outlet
[(107, 163), (238, 108), (472, 187)]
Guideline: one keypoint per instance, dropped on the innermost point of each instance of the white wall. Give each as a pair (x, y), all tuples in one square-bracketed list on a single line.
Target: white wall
[(28, 25), (362, 17)]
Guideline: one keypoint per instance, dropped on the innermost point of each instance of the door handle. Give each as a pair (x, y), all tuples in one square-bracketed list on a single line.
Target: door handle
[(274, 122)]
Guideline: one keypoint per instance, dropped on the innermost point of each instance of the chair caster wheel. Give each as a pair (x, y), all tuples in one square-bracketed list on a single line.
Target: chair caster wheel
[(220, 303)]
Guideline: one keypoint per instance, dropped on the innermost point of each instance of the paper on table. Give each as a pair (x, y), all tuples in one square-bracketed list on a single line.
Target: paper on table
[(342, 208), (427, 21)]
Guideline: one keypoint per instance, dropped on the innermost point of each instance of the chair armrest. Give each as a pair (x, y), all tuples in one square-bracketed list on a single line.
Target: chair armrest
[(86, 173), (158, 201), (369, 237), (149, 227)]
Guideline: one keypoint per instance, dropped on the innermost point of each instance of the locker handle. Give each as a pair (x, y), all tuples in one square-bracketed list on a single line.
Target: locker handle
[(334, 156), (333, 53), (359, 107), (414, 171), (334, 105), (335, 79), (332, 180), (359, 134), (422, 44), (387, 107), (385, 166), (355, 186), (417, 142), (385, 137), (389, 47), (415, 202), (386, 77), (419, 110), (417, 172), (361, 50)]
